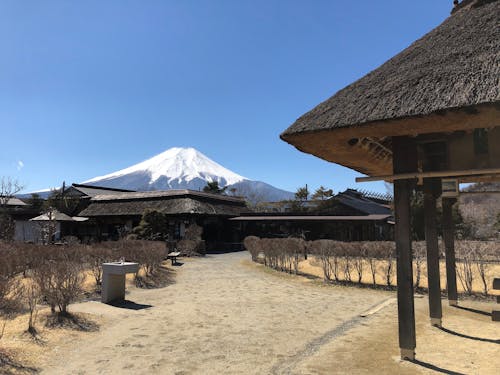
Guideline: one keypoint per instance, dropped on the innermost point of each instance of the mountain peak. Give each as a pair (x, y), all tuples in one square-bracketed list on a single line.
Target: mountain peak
[(170, 169)]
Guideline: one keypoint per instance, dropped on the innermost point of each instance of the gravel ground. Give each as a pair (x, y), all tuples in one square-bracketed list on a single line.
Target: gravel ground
[(226, 315)]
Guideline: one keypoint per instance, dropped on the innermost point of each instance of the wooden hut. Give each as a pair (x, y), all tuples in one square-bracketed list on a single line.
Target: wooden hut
[(430, 112)]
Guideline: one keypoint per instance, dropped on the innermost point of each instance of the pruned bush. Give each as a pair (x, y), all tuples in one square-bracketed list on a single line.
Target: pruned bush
[(193, 232), (324, 250), (465, 267), (149, 254), (31, 296), (191, 247), (95, 255), (388, 251), (419, 254), (359, 256), (9, 284), (192, 243), (251, 244), (59, 276)]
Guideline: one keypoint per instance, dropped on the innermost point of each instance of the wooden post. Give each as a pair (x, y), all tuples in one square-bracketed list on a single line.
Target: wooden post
[(404, 160), (431, 191), (449, 245), (495, 314)]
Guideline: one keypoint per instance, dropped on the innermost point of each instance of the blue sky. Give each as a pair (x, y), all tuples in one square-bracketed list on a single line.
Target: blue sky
[(90, 87)]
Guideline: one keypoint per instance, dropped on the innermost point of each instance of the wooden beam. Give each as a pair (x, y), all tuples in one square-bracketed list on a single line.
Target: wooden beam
[(449, 246), (404, 160), (449, 173), (432, 189)]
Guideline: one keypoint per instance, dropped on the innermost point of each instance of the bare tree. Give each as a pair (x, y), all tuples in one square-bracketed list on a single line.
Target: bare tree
[(8, 189)]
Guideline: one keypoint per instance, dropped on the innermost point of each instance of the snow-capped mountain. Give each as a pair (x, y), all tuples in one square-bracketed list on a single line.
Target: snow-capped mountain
[(186, 168)]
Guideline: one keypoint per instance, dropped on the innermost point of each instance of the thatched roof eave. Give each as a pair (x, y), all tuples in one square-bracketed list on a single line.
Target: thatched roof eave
[(334, 145)]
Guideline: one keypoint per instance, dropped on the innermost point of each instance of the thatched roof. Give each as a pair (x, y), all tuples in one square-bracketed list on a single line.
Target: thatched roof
[(166, 194), (54, 215), (13, 201), (172, 202), (447, 80)]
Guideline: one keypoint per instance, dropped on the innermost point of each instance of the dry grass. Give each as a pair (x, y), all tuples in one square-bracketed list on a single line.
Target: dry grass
[(27, 352), (22, 352)]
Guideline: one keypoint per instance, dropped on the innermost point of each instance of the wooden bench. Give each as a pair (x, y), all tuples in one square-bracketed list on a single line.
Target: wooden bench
[(173, 256), (495, 314)]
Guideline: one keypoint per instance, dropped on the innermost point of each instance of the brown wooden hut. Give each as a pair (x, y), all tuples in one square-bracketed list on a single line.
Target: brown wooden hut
[(430, 112)]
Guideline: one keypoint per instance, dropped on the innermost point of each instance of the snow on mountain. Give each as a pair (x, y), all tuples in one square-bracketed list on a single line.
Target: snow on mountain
[(186, 168)]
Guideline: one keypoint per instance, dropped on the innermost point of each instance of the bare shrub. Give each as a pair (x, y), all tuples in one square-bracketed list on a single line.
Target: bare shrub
[(70, 240), (31, 296), (193, 232), (95, 255), (251, 244), (9, 283), (464, 266), (153, 254), (296, 248), (149, 254), (324, 250), (480, 254), (192, 243), (345, 249), (419, 255), (59, 276), (191, 247), (372, 253), (387, 250), (359, 252)]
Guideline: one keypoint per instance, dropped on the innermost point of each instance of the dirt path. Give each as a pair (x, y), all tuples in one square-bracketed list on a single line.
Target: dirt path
[(222, 316)]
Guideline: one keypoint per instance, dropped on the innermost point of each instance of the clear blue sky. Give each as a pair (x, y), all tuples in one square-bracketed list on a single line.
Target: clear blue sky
[(90, 87)]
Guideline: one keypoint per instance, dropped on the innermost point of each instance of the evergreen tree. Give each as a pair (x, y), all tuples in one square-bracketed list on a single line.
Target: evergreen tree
[(214, 188), (153, 226), (322, 193), (302, 194)]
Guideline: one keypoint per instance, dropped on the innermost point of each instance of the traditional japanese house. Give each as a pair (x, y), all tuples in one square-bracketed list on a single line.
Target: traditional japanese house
[(53, 226), (19, 212), (112, 214), (348, 216), (428, 118)]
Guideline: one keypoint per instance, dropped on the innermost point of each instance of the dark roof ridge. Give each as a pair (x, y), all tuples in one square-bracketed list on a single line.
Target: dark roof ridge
[(100, 187)]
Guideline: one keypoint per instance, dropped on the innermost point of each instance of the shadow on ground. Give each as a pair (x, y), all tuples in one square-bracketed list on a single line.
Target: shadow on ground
[(9, 366), (160, 279), (130, 305), (71, 321), (473, 310), (435, 368), (493, 341)]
